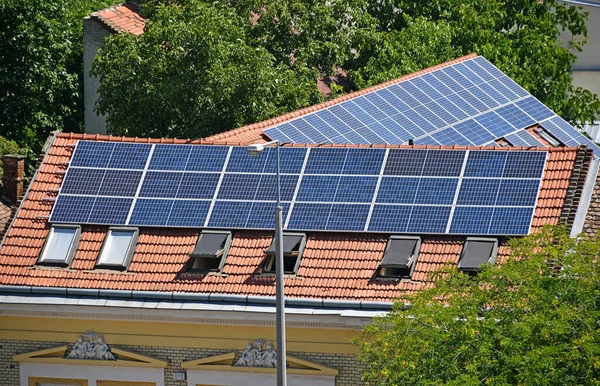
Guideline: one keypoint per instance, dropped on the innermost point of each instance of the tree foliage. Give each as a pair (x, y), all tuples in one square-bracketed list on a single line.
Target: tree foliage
[(204, 66), (195, 72), (523, 322), (41, 51)]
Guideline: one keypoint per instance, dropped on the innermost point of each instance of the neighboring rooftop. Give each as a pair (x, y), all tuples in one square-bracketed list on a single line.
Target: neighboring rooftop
[(124, 18)]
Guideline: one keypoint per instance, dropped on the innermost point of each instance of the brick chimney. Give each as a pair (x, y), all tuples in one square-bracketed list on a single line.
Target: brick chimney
[(14, 177)]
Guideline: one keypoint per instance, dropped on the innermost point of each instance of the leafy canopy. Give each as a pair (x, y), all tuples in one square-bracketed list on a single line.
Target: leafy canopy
[(206, 66), (41, 51), (521, 322), (195, 72)]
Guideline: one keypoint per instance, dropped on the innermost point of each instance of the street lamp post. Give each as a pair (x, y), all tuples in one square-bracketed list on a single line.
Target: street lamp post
[(256, 149)]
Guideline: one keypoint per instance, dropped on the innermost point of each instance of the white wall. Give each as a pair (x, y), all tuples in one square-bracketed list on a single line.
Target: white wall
[(222, 378), (93, 38), (91, 373)]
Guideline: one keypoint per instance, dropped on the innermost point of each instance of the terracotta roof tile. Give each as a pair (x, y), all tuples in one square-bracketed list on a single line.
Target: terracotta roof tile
[(124, 18), (334, 265)]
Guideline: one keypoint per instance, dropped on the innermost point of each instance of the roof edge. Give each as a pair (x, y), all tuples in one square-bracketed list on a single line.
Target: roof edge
[(195, 297), (298, 113), (204, 141)]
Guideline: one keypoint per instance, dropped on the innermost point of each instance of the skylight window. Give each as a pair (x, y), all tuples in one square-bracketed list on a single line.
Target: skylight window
[(60, 245), (400, 257), (118, 248), (210, 251), (293, 247), (477, 251), (547, 137)]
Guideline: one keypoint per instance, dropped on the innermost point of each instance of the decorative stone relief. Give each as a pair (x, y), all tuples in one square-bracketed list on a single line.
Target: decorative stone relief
[(90, 346), (259, 354)]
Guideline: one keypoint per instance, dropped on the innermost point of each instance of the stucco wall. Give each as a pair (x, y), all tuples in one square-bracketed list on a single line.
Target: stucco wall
[(93, 38)]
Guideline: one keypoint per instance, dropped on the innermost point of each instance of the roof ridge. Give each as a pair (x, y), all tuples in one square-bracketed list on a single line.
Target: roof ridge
[(178, 141), (306, 110)]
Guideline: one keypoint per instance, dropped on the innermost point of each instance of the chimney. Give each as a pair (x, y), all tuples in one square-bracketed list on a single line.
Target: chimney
[(14, 176)]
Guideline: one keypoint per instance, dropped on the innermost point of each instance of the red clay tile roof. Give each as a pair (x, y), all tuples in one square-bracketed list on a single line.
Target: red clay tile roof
[(254, 132), (334, 266), (121, 18)]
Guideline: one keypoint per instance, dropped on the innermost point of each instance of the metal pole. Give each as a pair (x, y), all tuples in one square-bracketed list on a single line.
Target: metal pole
[(280, 299)]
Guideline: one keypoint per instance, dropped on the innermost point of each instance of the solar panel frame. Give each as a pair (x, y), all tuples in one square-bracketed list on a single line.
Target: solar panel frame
[(323, 189)]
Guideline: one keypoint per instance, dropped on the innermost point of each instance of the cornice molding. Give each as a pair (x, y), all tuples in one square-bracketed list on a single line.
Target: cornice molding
[(172, 319)]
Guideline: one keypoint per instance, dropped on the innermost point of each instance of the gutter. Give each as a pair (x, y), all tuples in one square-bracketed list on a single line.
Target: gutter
[(243, 300)]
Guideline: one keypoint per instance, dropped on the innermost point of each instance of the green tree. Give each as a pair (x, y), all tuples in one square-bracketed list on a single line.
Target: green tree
[(521, 37), (41, 70), (195, 72), (534, 319)]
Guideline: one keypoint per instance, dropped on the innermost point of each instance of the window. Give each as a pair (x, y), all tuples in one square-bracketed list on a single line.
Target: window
[(547, 137), (118, 248), (477, 251), (60, 245), (400, 257), (293, 246), (210, 251)]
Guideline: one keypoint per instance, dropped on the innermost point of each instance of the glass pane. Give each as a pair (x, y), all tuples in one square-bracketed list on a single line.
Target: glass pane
[(59, 244), (116, 247)]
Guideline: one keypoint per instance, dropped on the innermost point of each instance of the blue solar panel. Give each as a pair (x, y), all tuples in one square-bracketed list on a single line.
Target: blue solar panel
[(82, 181), (523, 138), (518, 192), (187, 213), (356, 189), (309, 216), (436, 191), (478, 191), (198, 185), (429, 219), (170, 157), (150, 212), (160, 184), (129, 156), (398, 190), (123, 183), (109, 210), (471, 220), (480, 101), (451, 135), (72, 209), (322, 189), (390, 218), (510, 221), (348, 217), (92, 154)]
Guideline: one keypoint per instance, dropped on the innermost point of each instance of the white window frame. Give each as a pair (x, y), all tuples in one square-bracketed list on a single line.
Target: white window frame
[(43, 260), (128, 253)]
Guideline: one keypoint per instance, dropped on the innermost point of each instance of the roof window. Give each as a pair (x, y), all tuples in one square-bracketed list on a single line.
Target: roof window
[(477, 251), (118, 248), (210, 251), (547, 136), (400, 257), (293, 247), (60, 245)]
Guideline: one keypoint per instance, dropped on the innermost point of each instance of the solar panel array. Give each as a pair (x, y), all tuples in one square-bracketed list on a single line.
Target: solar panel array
[(322, 189), (467, 103)]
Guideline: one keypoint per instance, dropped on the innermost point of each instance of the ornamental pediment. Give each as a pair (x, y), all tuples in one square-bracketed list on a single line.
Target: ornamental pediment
[(90, 349), (257, 357)]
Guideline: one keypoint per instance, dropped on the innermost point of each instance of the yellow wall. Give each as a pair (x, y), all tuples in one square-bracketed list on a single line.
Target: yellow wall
[(334, 341)]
